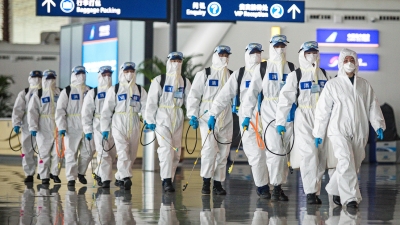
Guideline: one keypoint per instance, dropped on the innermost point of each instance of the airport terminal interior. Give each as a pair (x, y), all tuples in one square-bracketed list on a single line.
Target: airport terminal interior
[(158, 169)]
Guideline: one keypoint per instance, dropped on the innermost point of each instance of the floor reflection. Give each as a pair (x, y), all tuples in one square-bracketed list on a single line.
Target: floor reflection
[(147, 204)]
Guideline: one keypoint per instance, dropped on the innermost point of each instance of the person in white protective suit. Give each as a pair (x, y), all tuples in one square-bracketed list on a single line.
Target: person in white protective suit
[(167, 93), (264, 89), (41, 112), (20, 122), (120, 114), (69, 124), (214, 154), (303, 88), (91, 111), (344, 110), (236, 88)]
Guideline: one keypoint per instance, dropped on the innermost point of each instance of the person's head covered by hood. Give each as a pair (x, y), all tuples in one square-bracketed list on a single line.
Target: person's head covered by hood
[(35, 79), (174, 63), (78, 76), (49, 80), (277, 48), (221, 56), (127, 73), (348, 63), (104, 77), (253, 55), (309, 55)]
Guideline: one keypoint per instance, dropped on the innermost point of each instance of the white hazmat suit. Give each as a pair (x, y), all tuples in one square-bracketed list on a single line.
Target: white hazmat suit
[(313, 159), (41, 118), (343, 113), (164, 110), (202, 94), (68, 118), (120, 115), (19, 118), (276, 72), (223, 100), (91, 113)]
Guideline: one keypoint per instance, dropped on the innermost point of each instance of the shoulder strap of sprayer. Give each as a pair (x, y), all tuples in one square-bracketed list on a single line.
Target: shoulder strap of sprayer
[(239, 82)]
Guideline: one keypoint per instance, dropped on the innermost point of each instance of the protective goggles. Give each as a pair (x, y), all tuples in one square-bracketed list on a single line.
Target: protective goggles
[(175, 55), (223, 49), (278, 39), (128, 66), (105, 69), (252, 47), (309, 46), (79, 70), (36, 73), (49, 74)]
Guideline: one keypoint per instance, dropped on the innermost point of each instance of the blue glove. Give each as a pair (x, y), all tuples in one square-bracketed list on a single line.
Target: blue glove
[(380, 133), (145, 123), (318, 141), (151, 126), (89, 136), (61, 132), (292, 112), (33, 133), (194, 122), (246, 122), (211, 123), (280, 129), (16, 129), (105, 135)]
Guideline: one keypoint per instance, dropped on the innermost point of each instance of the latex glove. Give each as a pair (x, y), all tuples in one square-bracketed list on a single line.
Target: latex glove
[(16, 129), (246, 122), (151, 126), (318, 141), (105, 135), (194, 123), (380, 133), (280, 129), (211, 123), (292, 112), (88, 136), (33, 133), (61, 132)]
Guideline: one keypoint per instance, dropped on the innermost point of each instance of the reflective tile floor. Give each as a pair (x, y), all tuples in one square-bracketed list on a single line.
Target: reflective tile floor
[(146, 203)]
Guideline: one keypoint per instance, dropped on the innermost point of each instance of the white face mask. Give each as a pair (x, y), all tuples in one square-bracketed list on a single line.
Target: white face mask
[(129, 76), (81, 78), (280, 50), (34, 81), (49, 83), (224, 60), (312, 58), (349, 67), (175, 66), (255, 58)]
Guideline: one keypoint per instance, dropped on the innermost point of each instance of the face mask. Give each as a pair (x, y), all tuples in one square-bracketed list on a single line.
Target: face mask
[(106, 80), (174, 65), (34, 81), (312, 58), (349, 67), (280, 50), (255, 58), (129, 76), (81, 78), (49, 83), (224, 60)]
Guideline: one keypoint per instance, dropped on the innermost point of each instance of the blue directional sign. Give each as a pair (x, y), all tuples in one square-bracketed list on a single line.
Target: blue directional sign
[(348, 38), (116, 9), (367, 62), (242, 10)]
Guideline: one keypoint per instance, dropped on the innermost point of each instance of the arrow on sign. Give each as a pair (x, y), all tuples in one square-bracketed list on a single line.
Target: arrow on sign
[(49, 3), (293, 9)]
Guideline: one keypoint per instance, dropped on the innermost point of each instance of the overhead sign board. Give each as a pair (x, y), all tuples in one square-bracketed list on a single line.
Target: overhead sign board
[(242, 10), (116, 9), (367, 62), (348, 37), (100, 48)]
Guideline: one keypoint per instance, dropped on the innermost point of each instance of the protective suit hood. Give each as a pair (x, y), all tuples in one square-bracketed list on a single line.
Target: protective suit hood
[(35, 82), (174, 68), (49, 84), (274, 56), (217, 63), (250, 60), (304, 63), (122, 78), (76, 81), (347, 52), (104, 82)]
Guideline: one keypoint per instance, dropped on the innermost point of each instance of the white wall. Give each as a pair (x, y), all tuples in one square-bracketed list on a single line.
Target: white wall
[(385, 82)]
